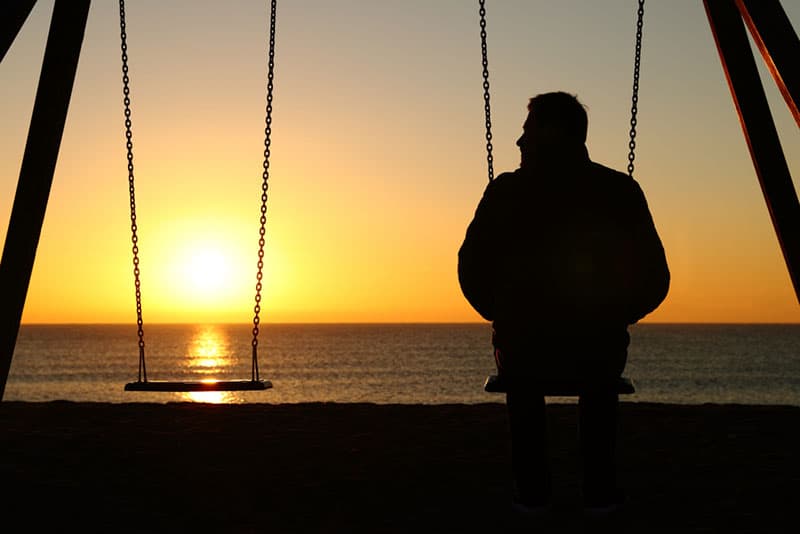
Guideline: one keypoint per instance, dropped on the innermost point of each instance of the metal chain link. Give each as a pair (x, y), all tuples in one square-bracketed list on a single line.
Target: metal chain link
[(264, 190), (486, 104), (635, 97), (132, 189)]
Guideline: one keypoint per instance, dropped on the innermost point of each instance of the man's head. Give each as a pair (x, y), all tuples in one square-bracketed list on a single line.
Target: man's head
[(556, 122)]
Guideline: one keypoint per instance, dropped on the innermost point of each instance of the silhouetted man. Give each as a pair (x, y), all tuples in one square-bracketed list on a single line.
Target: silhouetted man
[(562, 256)]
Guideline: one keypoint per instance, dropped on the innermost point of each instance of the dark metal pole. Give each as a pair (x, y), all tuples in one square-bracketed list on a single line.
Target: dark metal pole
[(776, 39), (759, 129), (12, 19), (38, 165)]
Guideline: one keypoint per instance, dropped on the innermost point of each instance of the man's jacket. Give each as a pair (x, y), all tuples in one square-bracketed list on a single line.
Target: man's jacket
[(563, 246)]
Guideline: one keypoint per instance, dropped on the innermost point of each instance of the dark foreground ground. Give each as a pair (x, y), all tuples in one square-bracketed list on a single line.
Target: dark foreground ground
[(70, 467)]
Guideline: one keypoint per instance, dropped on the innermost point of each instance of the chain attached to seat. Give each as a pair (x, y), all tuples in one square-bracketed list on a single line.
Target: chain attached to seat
[(264, 190), (132, 187), (637, 62), (486, 96)]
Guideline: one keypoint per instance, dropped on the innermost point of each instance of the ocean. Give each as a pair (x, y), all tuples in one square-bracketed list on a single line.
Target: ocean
[(387, 363)]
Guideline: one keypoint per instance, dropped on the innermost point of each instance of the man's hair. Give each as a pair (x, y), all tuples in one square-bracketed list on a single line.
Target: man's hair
[(562, 112)]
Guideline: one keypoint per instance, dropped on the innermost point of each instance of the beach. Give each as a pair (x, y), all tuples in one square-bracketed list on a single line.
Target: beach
[(327, 467)]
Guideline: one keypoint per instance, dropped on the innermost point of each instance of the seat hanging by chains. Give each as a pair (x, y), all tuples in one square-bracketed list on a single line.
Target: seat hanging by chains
[(254, 383), (563, 388)]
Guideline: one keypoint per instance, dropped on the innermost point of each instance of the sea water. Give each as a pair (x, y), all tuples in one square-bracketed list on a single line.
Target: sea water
[(386, 363)]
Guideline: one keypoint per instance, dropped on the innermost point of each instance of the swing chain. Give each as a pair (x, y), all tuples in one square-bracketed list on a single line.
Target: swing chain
[(635, 97), (487, 107), (264, 190), (131, 188)]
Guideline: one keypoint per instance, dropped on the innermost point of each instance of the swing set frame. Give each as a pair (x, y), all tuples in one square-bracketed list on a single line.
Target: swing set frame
[(767, 22)]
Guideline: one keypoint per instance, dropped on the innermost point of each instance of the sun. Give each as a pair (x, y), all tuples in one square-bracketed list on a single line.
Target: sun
[(208, 272), (201, 272)]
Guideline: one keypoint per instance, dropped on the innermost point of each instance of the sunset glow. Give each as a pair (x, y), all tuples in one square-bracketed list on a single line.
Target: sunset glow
[(378, 156)]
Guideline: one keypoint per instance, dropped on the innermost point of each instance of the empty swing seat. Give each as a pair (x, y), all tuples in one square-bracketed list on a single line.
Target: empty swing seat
[(564, 387), (200, 385), (142, 384)]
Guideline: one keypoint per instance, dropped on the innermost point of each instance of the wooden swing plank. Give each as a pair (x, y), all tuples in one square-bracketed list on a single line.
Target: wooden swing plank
[(215, 385), (563, 388)]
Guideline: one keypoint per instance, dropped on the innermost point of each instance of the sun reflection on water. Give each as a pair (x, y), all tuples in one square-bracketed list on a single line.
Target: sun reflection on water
[(209, 353), (208, 358), (212, 397)]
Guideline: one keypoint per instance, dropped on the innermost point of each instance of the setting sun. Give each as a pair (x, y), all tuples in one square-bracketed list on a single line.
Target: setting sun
[(208, 272), (201, 272)]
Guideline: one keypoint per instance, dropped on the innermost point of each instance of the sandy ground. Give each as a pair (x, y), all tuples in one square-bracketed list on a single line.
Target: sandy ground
[(96, 467)]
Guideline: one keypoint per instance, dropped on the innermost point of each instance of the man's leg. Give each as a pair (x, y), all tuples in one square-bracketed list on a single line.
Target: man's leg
[(598, 436), (529, 455)]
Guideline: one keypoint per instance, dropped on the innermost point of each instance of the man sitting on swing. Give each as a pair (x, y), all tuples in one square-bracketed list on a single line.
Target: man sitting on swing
[(562, 256)]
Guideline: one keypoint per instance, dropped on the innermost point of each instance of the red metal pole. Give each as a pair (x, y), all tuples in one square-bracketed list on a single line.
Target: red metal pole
[(777, 41), (759, 129)]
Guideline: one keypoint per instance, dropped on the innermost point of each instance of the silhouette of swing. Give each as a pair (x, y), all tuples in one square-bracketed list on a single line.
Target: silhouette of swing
[(493, 384), (562, 387), (142, 383)]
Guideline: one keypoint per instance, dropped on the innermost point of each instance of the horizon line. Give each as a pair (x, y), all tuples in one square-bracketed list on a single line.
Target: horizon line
[(486, 323)]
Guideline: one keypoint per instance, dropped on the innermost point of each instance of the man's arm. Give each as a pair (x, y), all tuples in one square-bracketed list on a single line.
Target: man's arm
[(475, 259), (651, 271)]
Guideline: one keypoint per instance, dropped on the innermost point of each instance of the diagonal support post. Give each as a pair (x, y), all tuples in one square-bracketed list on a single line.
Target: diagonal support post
[(12, 17), (59, 65), (759, 129), (779, 46)]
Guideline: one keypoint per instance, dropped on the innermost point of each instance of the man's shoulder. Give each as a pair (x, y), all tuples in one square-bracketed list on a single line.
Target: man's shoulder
[(505, 183), (507, 178), (508, 175), (612, 179), (601, 171)]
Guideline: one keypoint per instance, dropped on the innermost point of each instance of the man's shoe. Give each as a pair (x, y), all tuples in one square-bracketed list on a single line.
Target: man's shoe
[(603, 505), (530, 510)]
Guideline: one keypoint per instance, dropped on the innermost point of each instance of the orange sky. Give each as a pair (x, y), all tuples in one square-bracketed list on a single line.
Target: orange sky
[(378, 158)]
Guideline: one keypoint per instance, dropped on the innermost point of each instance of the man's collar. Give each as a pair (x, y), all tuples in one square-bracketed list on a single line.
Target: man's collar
[(561, 155)]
